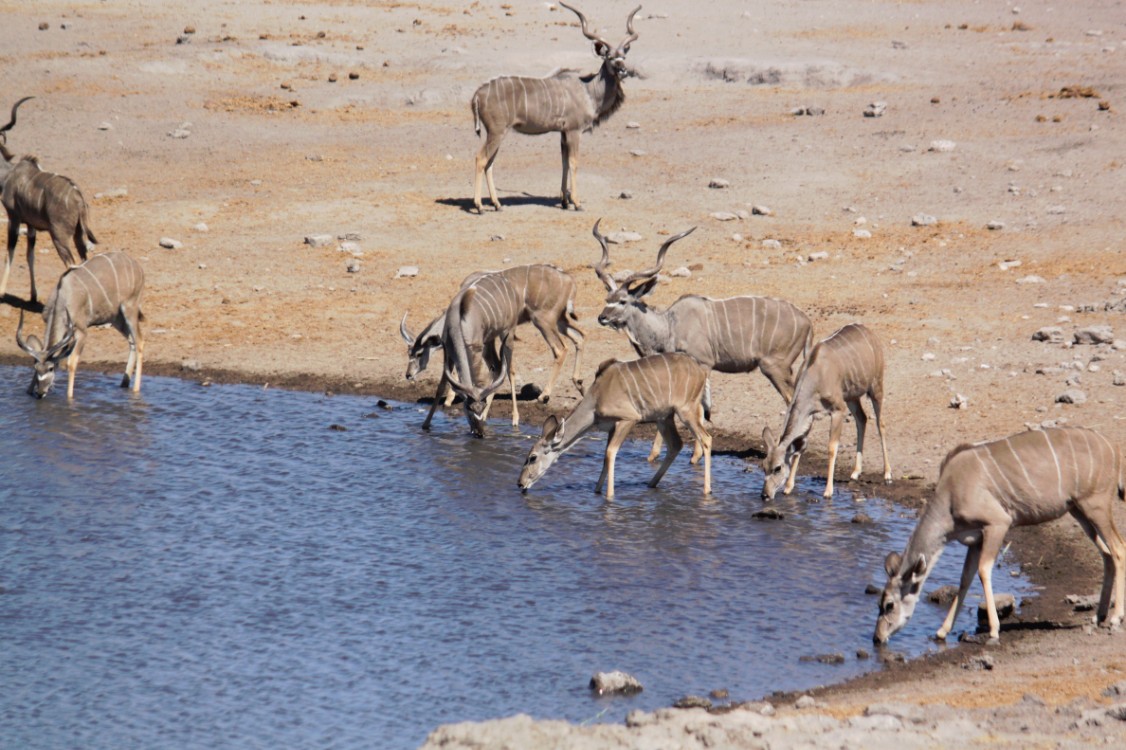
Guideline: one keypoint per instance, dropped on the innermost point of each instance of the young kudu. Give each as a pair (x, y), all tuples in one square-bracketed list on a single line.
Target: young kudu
[(548, 303), (1022, 480), (564, 102), (837, 374), (105, 290), (656, 388), (41, 201), (737, 334)]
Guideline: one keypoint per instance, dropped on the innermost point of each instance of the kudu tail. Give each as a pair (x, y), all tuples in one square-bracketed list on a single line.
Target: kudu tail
[(476, 106), (84, 236)]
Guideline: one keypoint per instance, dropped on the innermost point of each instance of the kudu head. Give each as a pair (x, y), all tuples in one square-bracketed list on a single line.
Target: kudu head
[(477, 397), (419, 348), (46, 359), (8, 156), (614, 58), (547, 448), (901, 594), (779, 461), (624, 301)]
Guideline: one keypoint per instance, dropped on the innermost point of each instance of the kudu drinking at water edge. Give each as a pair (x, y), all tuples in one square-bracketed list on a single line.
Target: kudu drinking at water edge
[(838, 372), (564, 102), (547, 302), (985, 489), (656, 388), (42, 201), (733, 335), (103, 291)]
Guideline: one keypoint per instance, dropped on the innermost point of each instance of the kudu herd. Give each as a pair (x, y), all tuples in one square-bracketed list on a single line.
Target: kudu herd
[(982, 489), (42, 201)]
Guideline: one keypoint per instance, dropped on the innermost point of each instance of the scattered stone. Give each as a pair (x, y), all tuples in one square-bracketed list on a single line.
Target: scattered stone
[(1051, 334), (692, 701), (862, 654), (942, 146), (43, 25), (406, 272), (959, 401), (771, 245), (718, 183), (719, 694), (923, 220), (350, 237), (338, 428), (1082, 603), (105, 126), (1094, 335), (1005, 265), (982, 661), (620, 238), (761, 211), (862, 518), (943, 594), (876, 109), (724, 216), (1072, 396), (170, 244), (616, 682), (1056, 210), (353, 265), (1119, 378), (637, 152), (183, 131), (496, 238), (1006, 605), (319, 240), (806, 701), (191, 365), (906, 712), (819, 255), (808, 111), (201, 228), (111, 194), (631, 125), (332, 78), (824, 658), (353, 76), (862, 234), (681, 273), (768, 514), (1032, 279), (626, 195), (1115, 690)]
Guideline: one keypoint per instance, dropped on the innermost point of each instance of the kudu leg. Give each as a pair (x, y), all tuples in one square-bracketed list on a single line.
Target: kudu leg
[(703, 444), (614, 442), (13, 238), (969, 569), (836, 422), (667, 428), (71, 369), (1102, 531), (577, 338), (992, 538), (31, 262), (570, 150), (877, 399), (443, 390), (484, 171), (558, 352), (861, 419)]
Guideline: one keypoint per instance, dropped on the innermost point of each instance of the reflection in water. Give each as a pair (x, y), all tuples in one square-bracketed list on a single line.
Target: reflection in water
[(217, 567)]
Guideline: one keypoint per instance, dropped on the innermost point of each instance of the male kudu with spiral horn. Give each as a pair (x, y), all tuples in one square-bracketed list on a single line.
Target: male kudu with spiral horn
[(565, 102), (42, 201)]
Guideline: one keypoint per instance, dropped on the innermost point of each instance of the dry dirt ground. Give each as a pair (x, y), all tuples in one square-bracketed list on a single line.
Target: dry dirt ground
[(238, 129)]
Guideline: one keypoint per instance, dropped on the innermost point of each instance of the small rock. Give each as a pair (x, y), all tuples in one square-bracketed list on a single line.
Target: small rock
[(170, 244), (923, 220), (631, 125), (681, 273), (1113, 691), (496, 238), (1119, 378), (620, 238), (768, 514), (1006, 605), (1032, 279), (862, 518), (201, 228), (350, 237), (43, 25), (995, 225), (637, 152), (1082, 603), (692, 701), (724, 216), (319, 240), (806, 701), (809, 111), (718, 183), (719, 694), (105, 126), (862, 234), (332, 78), (1005, 265), (862, 654), (353, 76), (942, 146), (1072, 396), (1051, 334), (1094, 335), (626, 195), (761, 211), (824, 658), (959, 401), (111, 194), (191, 365), (406, 272), (872, 589), (181, 132), (982, 661), (819, 255), (616, 682), (943, 594), (876, 109), (353, 266), (771, 245)]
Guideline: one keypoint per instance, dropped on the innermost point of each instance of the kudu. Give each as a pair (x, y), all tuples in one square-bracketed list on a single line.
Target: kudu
[(41, 201), (105, 290), (733, 335), (548, 296), (564, 102), (1022, 480), (839, 371), (656, 388)]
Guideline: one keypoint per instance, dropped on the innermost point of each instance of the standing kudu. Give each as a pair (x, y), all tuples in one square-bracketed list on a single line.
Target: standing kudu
[(985, 489), (838, 372), (548, 303), (564, 102), (105, 290), (42, 201), (737, 334), (656, 389)]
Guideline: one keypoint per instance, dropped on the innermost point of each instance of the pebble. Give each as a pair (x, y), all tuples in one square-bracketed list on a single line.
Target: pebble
[(771, 245), (819, 255), (941, 146), (201, 227), (806, 701), (406, 272), (1031, 279), (876, 109), (620, 238), (353, 266), (1005, 265), (105, 126), (170, 244), (959, 401), (1119, 378), (681, 273), (319, 240), (808, 111), (109, 194), (724, 216), (923, 220), (626, 195), (995, 225), (619, 682), (183, 131), (862, 234), (1094, 335), (759, 210), (1006, 605), (718, 183), (1071, 396)]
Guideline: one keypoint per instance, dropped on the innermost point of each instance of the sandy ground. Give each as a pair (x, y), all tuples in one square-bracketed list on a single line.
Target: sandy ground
[(240, 129)]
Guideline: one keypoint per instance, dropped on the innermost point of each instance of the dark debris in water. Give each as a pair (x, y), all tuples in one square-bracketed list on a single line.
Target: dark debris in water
[(692, 701), (824, 658), (338, 428), (768, 514), (384, 405)]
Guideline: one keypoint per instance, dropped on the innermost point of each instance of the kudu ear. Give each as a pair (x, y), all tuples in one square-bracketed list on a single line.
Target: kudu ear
[(919, 567), (768, 438), (602, 49), (550, 426), (891, 563)]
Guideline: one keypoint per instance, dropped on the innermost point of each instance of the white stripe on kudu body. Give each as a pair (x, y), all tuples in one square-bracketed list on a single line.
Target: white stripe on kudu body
[(737, 334), (657, 389), (985, 489), (840, 370), (548, 302), (105, 290), (565, 102)]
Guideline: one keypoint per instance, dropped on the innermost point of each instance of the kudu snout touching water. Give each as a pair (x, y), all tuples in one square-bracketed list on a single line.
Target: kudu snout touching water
[(548, 296), (839, 371), (733, 335), (657, 389), (103, 291), (43, 202), (564, 102), (1022, 480)]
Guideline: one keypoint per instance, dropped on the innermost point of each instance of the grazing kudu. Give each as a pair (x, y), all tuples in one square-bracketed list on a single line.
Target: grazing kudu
[(548, 303), (105, 290), (42, 201), (656, 389), (839, 371), (564, 102), (737, 334), (1022, 480)]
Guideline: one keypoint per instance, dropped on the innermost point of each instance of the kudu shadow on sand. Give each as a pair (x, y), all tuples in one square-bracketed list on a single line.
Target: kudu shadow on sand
[(510, 201), (21, 304)]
